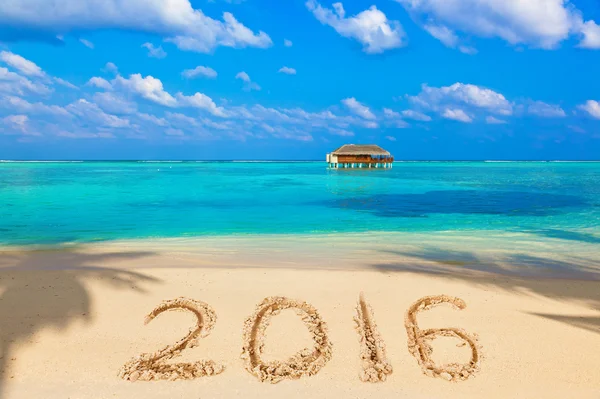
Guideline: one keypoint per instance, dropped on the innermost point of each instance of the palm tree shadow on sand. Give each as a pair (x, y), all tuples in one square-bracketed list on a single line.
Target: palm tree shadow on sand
[(577, 279), (35, 295)]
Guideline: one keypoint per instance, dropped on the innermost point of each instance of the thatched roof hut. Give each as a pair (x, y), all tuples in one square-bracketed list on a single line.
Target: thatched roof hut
[(360, 156), (361, 149)]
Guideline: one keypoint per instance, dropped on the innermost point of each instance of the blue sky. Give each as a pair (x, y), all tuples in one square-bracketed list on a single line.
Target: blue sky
[(258, 79)]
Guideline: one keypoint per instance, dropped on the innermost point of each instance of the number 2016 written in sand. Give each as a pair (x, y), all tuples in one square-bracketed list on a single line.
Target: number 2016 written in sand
[(374, 364)]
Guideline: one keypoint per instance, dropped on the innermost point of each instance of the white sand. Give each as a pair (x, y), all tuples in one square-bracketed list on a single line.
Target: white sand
[(70, 319)]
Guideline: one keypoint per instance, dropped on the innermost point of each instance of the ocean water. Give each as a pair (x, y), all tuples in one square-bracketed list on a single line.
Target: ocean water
[(62, 202)]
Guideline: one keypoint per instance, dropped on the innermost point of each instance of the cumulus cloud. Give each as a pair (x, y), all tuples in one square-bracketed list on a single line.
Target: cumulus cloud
[(457, 115), (18, 123), (287, 70), (545, 110), (87, 43), (100, 83), (358, 109), (592, 107), (243, 76), (390, 138), (538, 23), (415, 115), (21, 64), (92, 113), (249, 85), (202, 101), (11, 82), (155, 52), (591, 35), (287, 43), (490, 120), (473, 96), (153, 119), (147, 87), (370, 27), (110, 67), (151, 88), (389, 113), (66, 83), (175, 20), (114, 104), (199, 71), (20, 105)]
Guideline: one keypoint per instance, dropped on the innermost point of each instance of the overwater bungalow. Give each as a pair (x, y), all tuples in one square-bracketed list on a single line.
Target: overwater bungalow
[(360, 156)]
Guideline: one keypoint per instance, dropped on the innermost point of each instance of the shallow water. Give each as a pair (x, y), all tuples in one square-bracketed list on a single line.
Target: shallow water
[(45, 203)]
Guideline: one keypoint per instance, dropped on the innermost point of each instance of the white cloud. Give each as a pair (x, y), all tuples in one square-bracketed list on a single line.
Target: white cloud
[(151, 89), (181, 120), (155, 52), (174, 132), (341, 132), (467, 50), (110, 67), (21, 64), (11, 82), (229, 33), (359, 109), (448, 38), (243, 76), (87, 43), (490, 120), (175, 20), (370, 27), (148, 87), (90, 112), (199, 71), (287, 43), (591, 35), (415, 115), (16, 119), (114, 104), (100, 83), (390, 138), (592, 107), (457, 115), (66, 83), (538, 23), (443, 34), (390, 113), (202, 101), (287, 70), (544, 110), (249, 85), (17, 104), (463, 94), (152, 118), (18, 123)]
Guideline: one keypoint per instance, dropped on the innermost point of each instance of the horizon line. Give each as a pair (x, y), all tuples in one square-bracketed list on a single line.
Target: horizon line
[(290, 160)]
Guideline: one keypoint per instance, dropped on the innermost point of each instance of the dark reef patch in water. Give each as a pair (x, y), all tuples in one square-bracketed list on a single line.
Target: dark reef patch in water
[(509, 203)]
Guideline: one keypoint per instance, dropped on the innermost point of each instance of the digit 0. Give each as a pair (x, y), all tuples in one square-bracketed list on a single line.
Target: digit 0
[(304, 363)]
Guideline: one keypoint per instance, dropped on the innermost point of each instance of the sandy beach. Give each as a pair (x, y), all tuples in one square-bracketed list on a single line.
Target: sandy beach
[(73, 316)]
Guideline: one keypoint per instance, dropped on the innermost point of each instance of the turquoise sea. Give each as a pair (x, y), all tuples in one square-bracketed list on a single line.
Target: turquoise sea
[(60, 202)]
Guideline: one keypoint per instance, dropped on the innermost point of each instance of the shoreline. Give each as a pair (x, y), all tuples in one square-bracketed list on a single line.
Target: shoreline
[(515, 254)]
